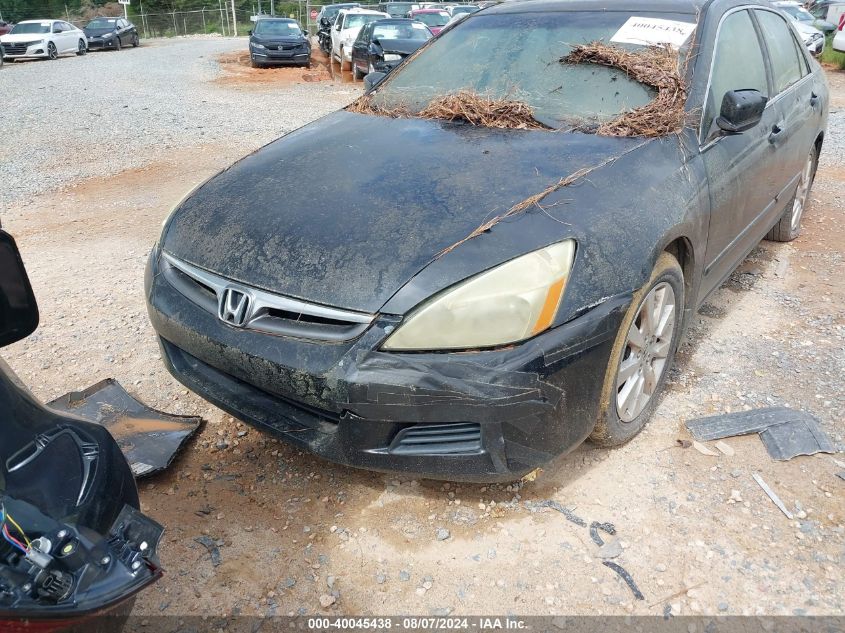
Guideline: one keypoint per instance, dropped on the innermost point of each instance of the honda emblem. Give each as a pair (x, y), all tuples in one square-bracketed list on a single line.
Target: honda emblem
[(234, 307)]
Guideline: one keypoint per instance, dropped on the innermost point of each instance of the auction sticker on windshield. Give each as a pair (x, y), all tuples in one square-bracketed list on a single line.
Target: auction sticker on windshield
[(653, 31)]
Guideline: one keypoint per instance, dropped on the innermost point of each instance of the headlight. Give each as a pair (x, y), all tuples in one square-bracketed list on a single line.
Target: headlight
[(107, 36), (392, 57), (260, 46), (503, 305)]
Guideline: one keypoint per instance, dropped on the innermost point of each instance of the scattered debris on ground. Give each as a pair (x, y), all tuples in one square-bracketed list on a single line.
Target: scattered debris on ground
[(772, 495), (148, 438), (786, 433), (213, 550), (654, 66), (626, 577)]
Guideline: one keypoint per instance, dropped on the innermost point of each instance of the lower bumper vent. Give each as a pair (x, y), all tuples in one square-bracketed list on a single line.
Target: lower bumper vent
[(460, 438)]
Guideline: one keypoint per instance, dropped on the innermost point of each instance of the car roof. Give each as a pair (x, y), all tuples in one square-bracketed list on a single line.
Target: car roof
[(273, 19), (358, 10), (395, 21), (658, 6), (430, 10), (38, 21)]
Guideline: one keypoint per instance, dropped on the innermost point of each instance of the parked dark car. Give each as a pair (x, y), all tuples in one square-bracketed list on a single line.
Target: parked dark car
[(434, 19), (477, 301), (74, 548), (397, 9), (112, 33), (382, 44), (278, 41)]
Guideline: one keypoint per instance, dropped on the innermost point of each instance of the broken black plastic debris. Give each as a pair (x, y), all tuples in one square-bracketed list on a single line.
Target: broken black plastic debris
[(626, 577), (785, 432), (212, 548), (595, 526), (148, 438), (571, 516)]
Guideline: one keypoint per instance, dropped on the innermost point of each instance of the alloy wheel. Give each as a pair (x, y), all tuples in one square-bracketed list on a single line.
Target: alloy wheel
[(646, 349), (52, 53), (801, 193)]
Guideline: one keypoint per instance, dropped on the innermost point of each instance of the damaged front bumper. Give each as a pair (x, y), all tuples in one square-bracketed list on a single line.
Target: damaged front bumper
[(477, 416)]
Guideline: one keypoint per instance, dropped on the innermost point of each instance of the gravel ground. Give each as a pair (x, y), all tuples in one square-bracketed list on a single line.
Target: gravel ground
[(299, 535), (123, 110)]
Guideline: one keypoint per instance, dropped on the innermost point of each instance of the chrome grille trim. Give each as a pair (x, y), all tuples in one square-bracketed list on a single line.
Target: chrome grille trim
[(346, 324)]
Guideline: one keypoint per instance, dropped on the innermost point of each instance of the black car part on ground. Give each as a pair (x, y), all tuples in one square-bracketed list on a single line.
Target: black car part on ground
[(72, 541)]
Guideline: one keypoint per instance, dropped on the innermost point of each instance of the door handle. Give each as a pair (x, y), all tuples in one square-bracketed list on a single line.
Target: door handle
[(776, 133), (814, 99)]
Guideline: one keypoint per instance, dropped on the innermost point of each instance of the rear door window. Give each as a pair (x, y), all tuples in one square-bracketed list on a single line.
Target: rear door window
[(738, 64), (787, 61)]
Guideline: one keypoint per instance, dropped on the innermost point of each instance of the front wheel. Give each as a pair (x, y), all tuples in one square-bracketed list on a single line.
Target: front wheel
[(117, 44), (82, 48), (642, 355), (136, 42), (789, 226), (52, 52)]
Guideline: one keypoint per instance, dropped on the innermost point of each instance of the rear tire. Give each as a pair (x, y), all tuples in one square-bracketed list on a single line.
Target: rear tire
[(642, 355), (789, 225)]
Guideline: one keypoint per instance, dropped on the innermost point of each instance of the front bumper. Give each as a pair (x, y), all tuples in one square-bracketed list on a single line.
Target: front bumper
[(32, 52), (99, 44), (281, 57), (482, 416)]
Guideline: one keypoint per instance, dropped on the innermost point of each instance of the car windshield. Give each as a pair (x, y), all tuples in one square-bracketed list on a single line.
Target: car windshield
[(398, 8), (799, 13), (279, 28), (101, 23), (330, 12), (517, 56), (30, 27), (357, 20), (407, 31), (433, 19)]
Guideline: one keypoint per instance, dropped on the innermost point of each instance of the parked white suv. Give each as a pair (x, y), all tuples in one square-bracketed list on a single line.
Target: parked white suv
[(43, 38), (345, 31)]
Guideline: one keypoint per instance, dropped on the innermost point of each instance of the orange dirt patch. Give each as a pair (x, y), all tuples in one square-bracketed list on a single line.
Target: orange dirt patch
[(237, 71)]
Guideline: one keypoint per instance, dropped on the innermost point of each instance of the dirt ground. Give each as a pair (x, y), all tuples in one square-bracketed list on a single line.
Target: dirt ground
[(696, 532)]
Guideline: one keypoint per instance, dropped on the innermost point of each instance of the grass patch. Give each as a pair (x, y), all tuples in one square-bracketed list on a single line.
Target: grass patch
[(830, 56)]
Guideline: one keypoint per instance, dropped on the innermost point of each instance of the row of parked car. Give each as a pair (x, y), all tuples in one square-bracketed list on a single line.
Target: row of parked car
[(33, 39)]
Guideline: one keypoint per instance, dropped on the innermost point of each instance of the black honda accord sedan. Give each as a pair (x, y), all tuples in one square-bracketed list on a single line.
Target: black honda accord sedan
[(278, 41), (480, 300)]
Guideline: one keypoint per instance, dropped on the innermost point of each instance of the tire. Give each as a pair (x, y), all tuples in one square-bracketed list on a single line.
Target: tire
[(625, 407), (343, 65), (136, 41), (82, 48), (52, 52), (117, 44), (255, 64), (356, 74), (789, 225)]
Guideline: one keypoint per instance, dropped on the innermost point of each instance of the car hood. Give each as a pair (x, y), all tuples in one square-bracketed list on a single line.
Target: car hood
[(98, 32), (806, 30), (403, 47), (346, 210), (294, 39), (23, 37)]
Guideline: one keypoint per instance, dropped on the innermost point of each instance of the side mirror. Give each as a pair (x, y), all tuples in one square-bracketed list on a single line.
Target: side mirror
[(18, 310), (741, 110), (249, 32), (372, 80)]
